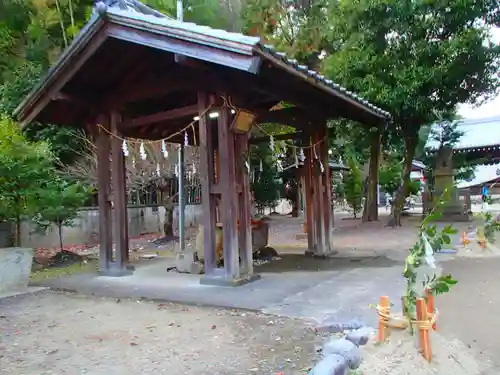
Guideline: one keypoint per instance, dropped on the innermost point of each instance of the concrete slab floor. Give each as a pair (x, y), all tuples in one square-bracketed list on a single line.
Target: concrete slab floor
[(29, 290), (333, 291)]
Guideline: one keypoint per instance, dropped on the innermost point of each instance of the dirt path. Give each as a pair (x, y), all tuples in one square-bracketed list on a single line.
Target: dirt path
[(399, 356), (58, 333), (470, 311)]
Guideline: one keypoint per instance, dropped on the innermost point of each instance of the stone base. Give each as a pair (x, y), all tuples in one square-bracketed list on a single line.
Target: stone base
[(196, 268), (185, 263), (116, 271), (222, 281)]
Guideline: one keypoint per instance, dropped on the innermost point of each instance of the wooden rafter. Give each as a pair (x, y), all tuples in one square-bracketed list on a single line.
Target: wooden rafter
[(171, 114)]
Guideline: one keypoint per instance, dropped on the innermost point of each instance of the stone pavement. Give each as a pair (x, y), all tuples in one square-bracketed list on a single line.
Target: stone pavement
[(336, 291)]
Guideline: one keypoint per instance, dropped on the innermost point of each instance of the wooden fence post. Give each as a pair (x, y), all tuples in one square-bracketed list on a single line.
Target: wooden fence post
[(423, 329), (383, 320), (431, 307)]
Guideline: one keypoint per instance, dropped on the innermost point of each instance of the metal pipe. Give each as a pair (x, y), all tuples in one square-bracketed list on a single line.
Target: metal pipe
[(182, 242), (180, 12)]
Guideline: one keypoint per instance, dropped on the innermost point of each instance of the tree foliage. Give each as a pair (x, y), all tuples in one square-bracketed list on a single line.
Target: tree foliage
[(62, 201), (353, 186), (416, 59), (265, 186), (25, 171), (390, 176)]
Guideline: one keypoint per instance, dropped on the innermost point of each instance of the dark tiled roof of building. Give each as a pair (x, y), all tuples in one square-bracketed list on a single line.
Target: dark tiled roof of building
[(220, 39)]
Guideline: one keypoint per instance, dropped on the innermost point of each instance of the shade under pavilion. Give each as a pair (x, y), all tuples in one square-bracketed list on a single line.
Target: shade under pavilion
[(132, 72)]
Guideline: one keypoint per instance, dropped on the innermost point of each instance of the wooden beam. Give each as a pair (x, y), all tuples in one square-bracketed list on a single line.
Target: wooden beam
[(244, 208), (119, 195), (146, 91), (296, 117), (58, 79), (234, 60), (103, 144), (311, 210), (171, 114), (207, 180), (327, 193), (229, 196), (318, 183), (278, 137), (61, 96), (218, 189)]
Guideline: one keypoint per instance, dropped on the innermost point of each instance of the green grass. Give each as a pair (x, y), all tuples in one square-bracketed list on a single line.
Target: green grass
[(55, 272)]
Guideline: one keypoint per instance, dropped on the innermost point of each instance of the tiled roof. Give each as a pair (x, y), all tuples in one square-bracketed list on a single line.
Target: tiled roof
[(128, 5), (482, 174), (133, 9), (478, 133)]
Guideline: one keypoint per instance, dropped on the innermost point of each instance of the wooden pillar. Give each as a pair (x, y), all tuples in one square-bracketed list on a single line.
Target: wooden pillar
[(125, 218), (310, 207), (229, 202), (318, 196), (327, 196), (244, 207), (119, 199), (103, 144), (207, 172)]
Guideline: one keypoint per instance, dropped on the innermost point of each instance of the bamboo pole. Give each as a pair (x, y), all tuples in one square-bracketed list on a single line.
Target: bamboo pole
[(383, 321), (431, 307), (423, 329)]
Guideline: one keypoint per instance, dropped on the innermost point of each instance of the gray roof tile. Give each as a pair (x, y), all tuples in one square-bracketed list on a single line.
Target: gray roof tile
[(478, 133), (136, 10)]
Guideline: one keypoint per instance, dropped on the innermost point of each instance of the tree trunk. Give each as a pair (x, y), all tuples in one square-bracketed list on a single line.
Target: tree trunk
[(370, 212), (17, 237), (411, 141), (59, 228), (168, 225)]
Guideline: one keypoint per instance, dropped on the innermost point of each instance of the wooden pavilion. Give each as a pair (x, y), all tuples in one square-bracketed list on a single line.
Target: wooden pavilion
[(133, 72)]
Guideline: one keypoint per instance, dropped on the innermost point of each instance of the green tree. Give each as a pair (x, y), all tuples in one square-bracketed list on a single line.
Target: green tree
[(66, 143), (416, 59), (266, 186), (61, 202), (25, 170), (353, 186), (390, 179)]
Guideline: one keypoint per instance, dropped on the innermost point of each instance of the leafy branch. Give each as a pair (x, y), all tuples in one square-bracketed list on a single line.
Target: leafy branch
[(490, 226), (431, 239)]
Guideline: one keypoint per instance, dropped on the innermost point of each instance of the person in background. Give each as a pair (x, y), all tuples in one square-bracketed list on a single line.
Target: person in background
[(387, 201), (484, 195)]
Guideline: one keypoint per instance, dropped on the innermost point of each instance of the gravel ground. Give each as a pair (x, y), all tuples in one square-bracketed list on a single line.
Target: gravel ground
[(400, 356), (61, 333)]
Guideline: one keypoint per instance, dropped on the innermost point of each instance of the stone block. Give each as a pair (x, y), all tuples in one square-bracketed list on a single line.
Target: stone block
[(359, 336), (184, 261), (332, 364), (344, 348), (15, 269), (196, 268), (335, 327)]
